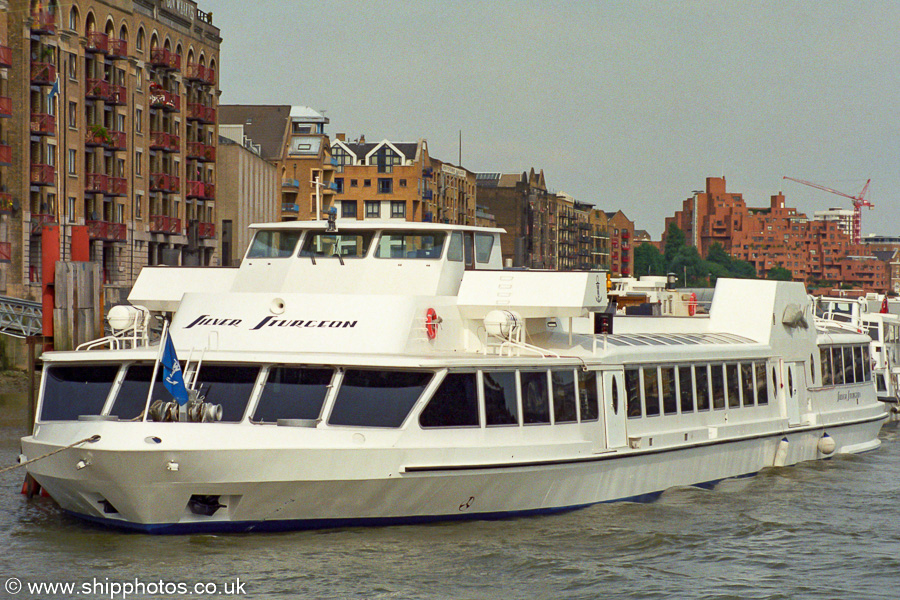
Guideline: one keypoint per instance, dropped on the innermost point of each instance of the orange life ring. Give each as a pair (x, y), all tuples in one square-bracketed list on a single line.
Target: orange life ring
[(692, 304), (431, 323)]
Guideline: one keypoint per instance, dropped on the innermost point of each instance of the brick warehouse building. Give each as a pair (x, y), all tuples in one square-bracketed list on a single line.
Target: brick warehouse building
[(126, 148), (816, 252)]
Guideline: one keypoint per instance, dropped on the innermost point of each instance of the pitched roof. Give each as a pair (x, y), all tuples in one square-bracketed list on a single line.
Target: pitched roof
[(266, 125)]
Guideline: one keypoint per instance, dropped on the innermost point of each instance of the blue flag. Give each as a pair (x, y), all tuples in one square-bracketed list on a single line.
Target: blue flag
[(54, 91), (172, 377)]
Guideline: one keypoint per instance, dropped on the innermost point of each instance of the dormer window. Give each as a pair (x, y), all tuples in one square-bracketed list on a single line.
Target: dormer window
[(385, 158)]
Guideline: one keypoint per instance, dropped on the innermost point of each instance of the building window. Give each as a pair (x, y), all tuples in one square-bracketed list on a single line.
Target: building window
[(348, 209), (70, 209), (402, 183), (73, 67), (367, 183), (339, 184), (385, 158), (354, 183), (373, 209), (138, 162), (139, 73), (385, 185), (398, 209), (138, 203), (139, 43), (138, 120), (73, 159)]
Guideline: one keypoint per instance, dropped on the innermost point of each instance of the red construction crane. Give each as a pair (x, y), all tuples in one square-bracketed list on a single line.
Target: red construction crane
[(858, 202)]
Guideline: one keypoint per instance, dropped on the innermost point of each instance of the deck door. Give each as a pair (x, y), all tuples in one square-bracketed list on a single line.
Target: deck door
[(614, 408), (793, 389)]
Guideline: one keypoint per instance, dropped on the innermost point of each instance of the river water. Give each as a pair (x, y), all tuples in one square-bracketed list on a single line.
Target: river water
[(825, 530)]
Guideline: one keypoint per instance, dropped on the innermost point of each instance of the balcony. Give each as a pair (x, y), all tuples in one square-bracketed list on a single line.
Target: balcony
[(164, 99), (42, 124), (165, 224), (96, 183), (5, 252), (97, 89), (200, 190), (5, 107), (118, 186), (5, 57), (290, 207), (118, 49), (626, 234), (161, 58), (97, 43), (201, 113), (38, 221), (104, 230), (206, 230), (163, 182), (201, 74), (115, 140), (43, 175), (167, 142), (5, 155), (118, 95), (201, 152), (43, 73), (43, 21), (6, 203), (97, 135), (290, 184)]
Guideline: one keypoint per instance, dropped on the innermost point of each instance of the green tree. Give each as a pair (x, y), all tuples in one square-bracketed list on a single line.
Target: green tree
[(779, 274), (717, 254), (648, 260), (688, 262), (675, 242), (742, 269)]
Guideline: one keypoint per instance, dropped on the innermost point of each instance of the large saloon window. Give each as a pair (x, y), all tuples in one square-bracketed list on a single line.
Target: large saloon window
[(410, 244), (229, 386), (344, 245), (454, 404), (535, 398), (273, 244), (377, 398), (587, 395), (292, 393), (500, 406), (564, 396), (132, 396), (73, 391)]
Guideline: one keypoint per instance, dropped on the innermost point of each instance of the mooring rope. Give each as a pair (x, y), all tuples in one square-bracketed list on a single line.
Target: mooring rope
[(91, 439)]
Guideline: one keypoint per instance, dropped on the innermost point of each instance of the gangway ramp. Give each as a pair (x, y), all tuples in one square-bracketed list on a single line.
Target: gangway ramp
[(20, 318)]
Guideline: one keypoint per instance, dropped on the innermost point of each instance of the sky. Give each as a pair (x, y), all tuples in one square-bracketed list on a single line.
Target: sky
[(624, 105)]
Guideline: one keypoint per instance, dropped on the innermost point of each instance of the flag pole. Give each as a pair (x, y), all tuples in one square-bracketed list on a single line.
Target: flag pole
[(162, 345)]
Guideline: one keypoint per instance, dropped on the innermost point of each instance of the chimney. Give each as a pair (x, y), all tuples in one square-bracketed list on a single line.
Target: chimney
[(342, 137), (361, 140)]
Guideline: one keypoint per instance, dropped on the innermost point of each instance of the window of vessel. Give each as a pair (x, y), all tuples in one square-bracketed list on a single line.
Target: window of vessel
[(701, 379), (345, 245), (837, 363), (747, 383), (454, 403), (410, 244), (633, 393), (587, 395), (733, 385), (484, 242), (867, 364), (848, 364), (667, 385), (686, 389), (717, 385), (500, 404), (825, 358), (377, 398), (292, 393), (273, 244), (228, 386), (535, 397), (71, 391), (858, 370), (563, 396), (650, 381), (455, 248), (131, 398)]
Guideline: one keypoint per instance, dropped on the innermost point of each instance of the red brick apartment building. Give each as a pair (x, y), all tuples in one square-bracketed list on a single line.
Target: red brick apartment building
[(816, 252)]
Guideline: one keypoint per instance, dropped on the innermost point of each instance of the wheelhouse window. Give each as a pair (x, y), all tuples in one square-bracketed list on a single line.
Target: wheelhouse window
[(484, 243), (454, 404), (132, 396), (410, 244), (535, 398), (686, 389), (377, 398), (292, 393), (228, 386), (273, 244), (651, 391), (667, 381), (747, 383), (346, 245), (733, 386), (587, 395), (73, 391), (500, 406), (455, 249)]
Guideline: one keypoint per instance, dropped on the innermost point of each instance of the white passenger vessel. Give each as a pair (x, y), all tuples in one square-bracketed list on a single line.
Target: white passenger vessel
[(869, 315), (394, 372)]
